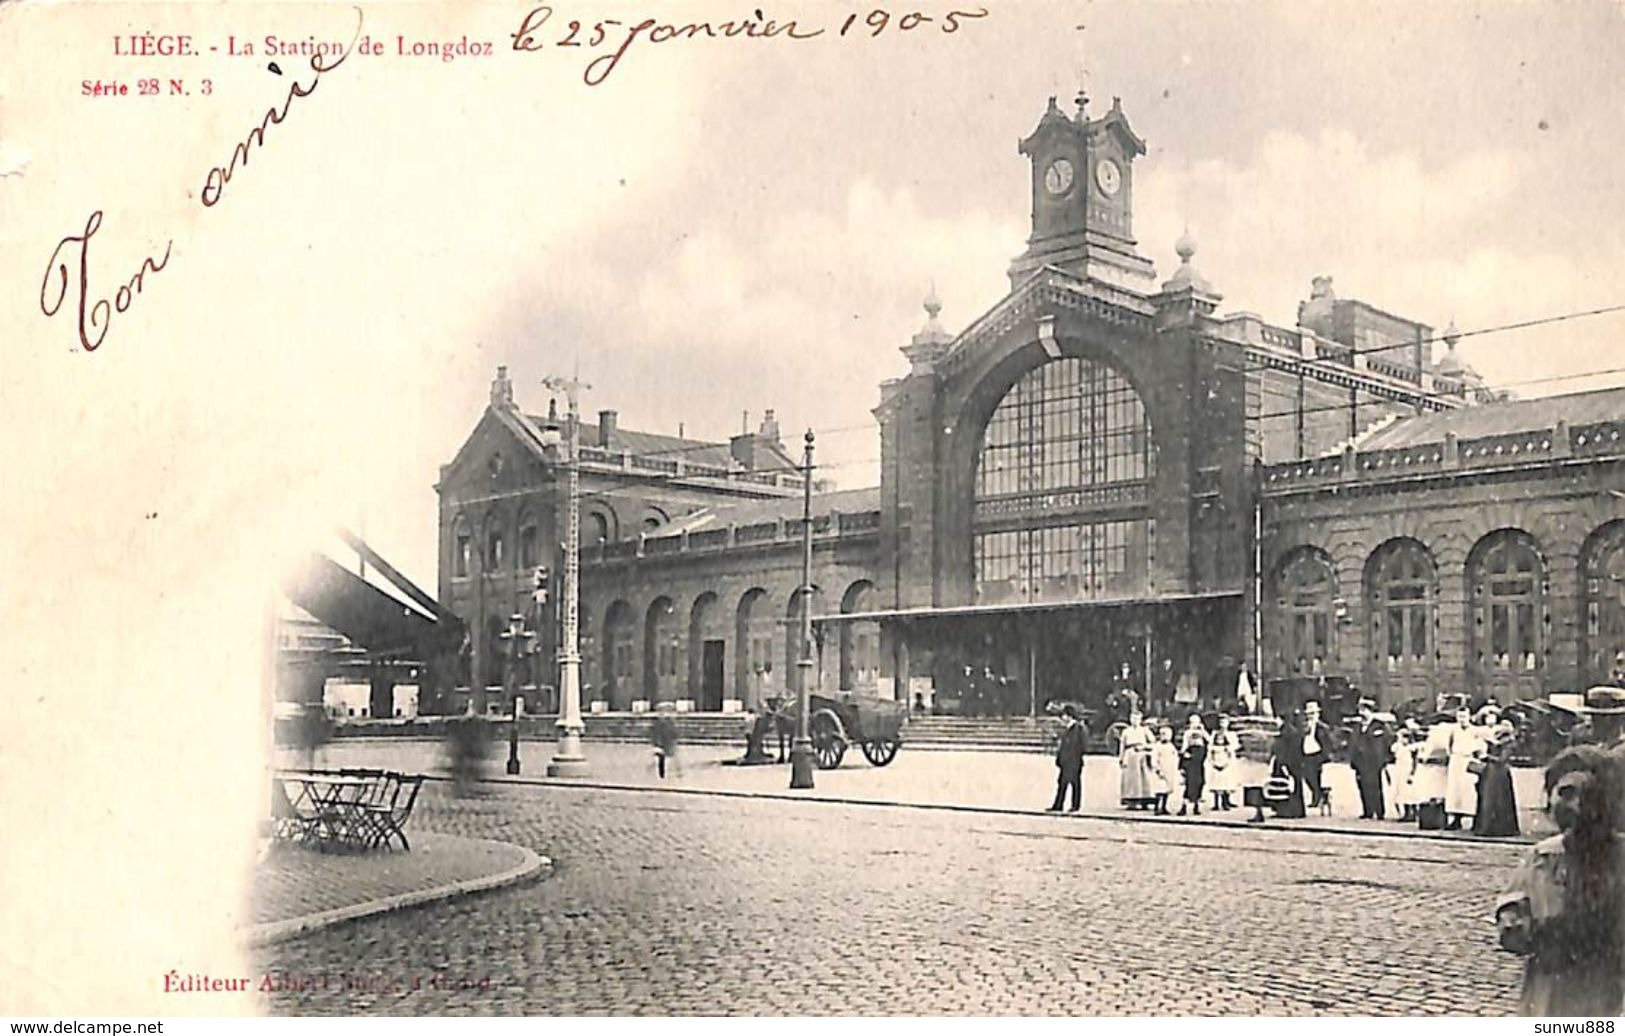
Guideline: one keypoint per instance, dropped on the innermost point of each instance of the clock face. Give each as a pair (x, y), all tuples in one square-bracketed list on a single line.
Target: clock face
[(1058, 177), (1108, 177)]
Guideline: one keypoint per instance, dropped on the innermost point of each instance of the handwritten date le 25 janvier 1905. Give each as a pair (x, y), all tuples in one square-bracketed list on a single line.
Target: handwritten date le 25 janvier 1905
[(614, 37)]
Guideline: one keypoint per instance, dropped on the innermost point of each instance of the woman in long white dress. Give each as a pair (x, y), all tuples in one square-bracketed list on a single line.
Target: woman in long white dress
[(1224, 765), (1461, 784), (1431, 778), (1134, 757)]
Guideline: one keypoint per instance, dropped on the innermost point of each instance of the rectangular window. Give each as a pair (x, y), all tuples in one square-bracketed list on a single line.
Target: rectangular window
[(1419, 633)]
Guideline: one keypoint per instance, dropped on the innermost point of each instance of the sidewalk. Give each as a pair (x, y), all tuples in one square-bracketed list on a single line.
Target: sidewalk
[(992, 780), (298, 890)]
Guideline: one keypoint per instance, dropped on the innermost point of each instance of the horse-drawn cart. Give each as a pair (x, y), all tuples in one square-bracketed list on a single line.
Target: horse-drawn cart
[(875, 725)]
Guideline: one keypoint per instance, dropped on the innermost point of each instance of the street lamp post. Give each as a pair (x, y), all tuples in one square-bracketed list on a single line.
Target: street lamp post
[(568, 760), (514, 640), (801, 751)]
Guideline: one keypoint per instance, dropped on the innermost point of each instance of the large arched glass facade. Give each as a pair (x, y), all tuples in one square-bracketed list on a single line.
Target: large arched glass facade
[(1062, 488)]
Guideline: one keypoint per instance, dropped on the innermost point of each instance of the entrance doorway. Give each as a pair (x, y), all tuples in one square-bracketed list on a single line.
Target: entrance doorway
[(711, 652)]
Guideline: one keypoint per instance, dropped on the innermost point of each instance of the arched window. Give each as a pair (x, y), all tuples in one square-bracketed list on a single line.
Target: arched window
[(530, 544), (494, 552), (1603, 572), (859, 641), (595, 529), (1062, 487), (618, 638), (1399, 586), (462, 550), (1306, 595), (1506, 582), (755, 627), (660, 650)]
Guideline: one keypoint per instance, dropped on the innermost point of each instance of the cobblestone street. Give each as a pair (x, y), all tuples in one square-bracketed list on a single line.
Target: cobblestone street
[(694, 904)]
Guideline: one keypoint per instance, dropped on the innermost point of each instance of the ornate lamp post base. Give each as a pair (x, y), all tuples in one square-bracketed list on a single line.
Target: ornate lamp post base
[(569, 761)]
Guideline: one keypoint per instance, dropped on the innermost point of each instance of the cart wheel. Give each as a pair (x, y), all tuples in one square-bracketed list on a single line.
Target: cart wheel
[(829, 747), (881, 752)]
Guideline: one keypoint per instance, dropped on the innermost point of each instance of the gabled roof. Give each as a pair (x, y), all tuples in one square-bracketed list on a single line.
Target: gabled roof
[(754, 512), (697, 451), (1486, 419)]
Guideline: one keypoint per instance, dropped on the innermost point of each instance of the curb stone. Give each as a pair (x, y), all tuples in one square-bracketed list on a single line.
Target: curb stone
[(1404, 835), (269, 932)]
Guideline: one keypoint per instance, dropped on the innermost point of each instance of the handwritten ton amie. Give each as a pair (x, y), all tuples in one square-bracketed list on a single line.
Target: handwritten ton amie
[(60, 271)]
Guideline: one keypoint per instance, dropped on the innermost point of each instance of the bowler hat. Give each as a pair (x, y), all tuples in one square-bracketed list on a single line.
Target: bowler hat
[(1605, 701)]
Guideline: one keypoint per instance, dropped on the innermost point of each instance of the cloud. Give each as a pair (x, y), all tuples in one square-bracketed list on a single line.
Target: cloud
[(1462, 239)]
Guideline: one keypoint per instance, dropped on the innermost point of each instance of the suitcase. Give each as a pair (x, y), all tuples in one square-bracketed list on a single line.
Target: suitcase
[(1430, 816)]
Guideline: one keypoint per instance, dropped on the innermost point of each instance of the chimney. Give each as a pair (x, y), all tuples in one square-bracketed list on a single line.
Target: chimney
[(743, 449), (606, 428), (770, 427)]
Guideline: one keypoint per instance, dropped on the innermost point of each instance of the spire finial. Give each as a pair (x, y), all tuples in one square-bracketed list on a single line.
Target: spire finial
[(1185, 247), (933, 305), (1451, 336)]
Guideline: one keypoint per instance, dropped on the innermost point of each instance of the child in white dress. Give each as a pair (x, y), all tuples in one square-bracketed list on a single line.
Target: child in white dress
[(1164, 767)]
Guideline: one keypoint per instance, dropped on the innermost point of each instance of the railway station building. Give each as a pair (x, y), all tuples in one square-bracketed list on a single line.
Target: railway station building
[(1104, 479)]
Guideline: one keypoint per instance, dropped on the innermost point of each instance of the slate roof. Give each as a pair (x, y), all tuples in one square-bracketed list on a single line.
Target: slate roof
[(650, 444), (753, 512), (1487, 419)]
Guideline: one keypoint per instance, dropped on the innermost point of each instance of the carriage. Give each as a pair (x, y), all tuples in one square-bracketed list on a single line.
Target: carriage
[(875, 725)]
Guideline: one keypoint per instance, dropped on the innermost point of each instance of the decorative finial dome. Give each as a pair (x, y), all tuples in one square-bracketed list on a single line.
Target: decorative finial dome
[(1186, 277), (933, 332), (1451, 336), (1185, 247)]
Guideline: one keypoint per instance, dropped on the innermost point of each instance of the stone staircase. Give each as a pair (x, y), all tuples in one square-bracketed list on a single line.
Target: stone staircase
[(1019, 734)]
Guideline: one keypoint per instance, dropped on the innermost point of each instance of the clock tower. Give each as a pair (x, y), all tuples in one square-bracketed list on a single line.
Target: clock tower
[(1083, 198)]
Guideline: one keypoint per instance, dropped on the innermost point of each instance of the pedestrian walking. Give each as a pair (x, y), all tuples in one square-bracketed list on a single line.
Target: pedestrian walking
[(1565, 909), (1164, 768), (1316, 739), (663, 735), (1069, 760), (1193, 752), (1223, 765), (1461, 785), (1369, 748), (1134, 761)]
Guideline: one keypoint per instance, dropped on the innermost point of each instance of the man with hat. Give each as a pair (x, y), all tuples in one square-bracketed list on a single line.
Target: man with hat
[(1605, 706), (1369, 746), (1069, 760)]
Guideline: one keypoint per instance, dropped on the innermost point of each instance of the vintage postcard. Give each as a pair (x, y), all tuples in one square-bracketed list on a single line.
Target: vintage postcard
[(812, 508)]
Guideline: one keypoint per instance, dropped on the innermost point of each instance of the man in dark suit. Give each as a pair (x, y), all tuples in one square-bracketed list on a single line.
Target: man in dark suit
[(1069, 760), (1369, 747)]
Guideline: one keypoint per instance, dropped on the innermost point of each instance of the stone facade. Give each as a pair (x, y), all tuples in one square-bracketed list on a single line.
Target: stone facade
[(1099, 482)]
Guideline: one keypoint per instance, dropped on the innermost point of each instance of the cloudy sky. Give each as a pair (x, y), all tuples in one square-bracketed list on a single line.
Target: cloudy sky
[(718, 228)]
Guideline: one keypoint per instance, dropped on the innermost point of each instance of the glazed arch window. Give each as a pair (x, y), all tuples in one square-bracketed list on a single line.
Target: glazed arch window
[(1507, 583), (494, 550), (1307, 593), (1401, 582)]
